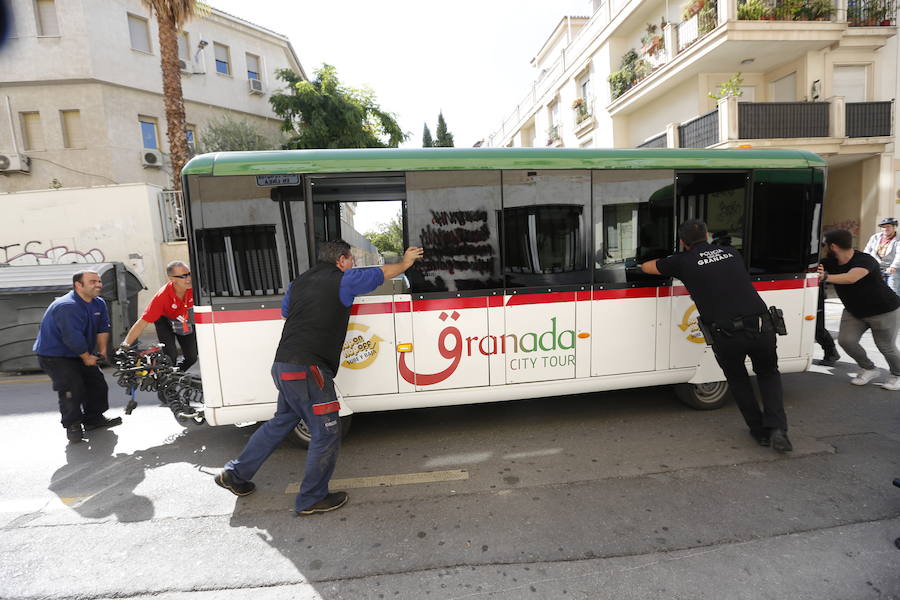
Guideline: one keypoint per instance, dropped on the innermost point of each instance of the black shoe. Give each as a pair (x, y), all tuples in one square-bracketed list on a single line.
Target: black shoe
[(239, 488), (829, 360), (105, 423), (332, 501), (762, 438), (780, 441), (75, 433)]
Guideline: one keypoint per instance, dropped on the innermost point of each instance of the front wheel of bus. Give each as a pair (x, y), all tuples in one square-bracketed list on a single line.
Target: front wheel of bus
[(301, 435), (703, 396)]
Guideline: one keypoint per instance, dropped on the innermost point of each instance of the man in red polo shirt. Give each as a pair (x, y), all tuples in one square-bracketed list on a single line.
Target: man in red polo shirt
[(172, 312)]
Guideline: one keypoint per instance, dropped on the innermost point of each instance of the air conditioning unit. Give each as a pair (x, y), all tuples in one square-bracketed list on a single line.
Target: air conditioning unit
[(152, 158), (256, 86), (185, 66), (14, 163)]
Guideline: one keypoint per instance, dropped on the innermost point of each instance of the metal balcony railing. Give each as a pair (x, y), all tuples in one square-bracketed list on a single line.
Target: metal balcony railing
[(871, 13), (765, 120), (869, 119), (786, 10), (700, 132), (654, 142), (171, 211)]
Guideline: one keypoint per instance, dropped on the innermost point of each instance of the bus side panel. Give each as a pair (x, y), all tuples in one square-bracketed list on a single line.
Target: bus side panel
[(624, 331), (686, 342), (791, 302), (367, 357), (584, 329), (246, 350), (206, 348), (404, 337), (811, 305), (540, 337), (496, 329), (663, 326)]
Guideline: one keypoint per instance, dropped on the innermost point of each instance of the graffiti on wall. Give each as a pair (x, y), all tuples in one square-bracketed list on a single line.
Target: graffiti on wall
[(31, 253)]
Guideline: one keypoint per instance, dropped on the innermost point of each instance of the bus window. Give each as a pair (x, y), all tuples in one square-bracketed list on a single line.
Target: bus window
[(243, 240), (719, 199), (633, 222), (453, 216), (364, 211), (785, 224), (545, 217)]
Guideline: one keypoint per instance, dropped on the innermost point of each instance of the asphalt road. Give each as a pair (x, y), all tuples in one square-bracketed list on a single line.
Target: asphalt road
[(614, 495)]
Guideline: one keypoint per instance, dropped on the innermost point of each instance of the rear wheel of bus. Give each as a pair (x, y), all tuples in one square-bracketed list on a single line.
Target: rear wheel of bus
[(300, 436), (704, 396)]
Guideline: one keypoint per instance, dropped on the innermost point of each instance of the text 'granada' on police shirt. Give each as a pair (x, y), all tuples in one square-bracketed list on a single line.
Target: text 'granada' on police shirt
[(717, 280), (870, 295)]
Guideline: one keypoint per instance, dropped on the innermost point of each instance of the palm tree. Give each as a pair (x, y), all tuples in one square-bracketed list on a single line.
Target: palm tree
[(171, 15)]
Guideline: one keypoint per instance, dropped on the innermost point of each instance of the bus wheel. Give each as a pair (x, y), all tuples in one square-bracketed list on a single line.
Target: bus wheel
[(703, 396), (301, 435)]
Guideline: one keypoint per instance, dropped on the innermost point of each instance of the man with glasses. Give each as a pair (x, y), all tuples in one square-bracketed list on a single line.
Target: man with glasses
[(172, 312)]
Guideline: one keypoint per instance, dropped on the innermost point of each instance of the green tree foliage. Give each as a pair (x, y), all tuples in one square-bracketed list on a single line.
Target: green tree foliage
[(387, 237), (229, 134), (443, 138), (427, 142), (323, 113)]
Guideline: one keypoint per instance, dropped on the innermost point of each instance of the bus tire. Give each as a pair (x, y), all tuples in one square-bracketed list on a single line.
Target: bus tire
[(704, 396), (300, 435)]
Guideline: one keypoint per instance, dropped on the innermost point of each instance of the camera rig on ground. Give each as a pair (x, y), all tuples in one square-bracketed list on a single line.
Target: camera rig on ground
[(151, 370)]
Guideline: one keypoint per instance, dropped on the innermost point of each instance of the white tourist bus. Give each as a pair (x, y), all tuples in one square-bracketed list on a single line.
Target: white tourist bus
[(530, 284)]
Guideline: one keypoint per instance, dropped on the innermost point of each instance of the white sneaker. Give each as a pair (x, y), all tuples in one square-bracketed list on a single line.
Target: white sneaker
[(892, 384), (864, 377)]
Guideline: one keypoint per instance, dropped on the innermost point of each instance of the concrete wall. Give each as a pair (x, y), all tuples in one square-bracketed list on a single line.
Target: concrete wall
[(842, 200), (114, 223)]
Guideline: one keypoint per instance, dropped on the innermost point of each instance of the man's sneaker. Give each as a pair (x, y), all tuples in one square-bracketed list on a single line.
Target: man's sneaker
[(103, 423), (829, 360), (75, 433), (332, 501), (864, 377), (892, 384), (231, 483), (780, 441)]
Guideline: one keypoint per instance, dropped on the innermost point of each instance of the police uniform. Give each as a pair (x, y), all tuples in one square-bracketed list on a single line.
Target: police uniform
[(740, 326)]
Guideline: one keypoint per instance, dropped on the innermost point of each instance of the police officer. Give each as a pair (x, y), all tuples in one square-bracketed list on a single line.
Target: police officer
[(738, 324), (317, 309)]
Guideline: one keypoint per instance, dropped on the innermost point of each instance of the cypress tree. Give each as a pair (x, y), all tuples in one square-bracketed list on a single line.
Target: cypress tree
[(427, 142), (443, 139)]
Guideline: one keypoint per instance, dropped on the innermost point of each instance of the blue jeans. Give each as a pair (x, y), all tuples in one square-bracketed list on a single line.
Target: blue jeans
[(299, 397)]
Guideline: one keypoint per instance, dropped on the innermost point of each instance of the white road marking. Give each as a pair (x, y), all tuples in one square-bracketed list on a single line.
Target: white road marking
[(389, 480)]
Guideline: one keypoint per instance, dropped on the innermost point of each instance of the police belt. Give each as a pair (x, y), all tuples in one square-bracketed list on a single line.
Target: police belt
[(748, 323)]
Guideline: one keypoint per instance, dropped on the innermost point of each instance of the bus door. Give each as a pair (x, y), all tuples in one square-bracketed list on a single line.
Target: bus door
[(249, 243), (366, 211), (633, 223), (456, 288), (719, 199), (545, 224)]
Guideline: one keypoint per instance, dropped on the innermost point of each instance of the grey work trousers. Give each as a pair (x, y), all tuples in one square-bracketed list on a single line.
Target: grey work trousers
[(884, 331)]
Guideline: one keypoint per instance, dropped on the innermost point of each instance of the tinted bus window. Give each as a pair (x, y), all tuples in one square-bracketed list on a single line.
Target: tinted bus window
[(785, 221), (240, 261), (719, 199), (453, 216), (633, 222), (545, 227)]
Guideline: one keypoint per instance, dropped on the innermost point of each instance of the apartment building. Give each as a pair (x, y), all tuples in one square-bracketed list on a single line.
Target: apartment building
[(81, 89), (818, 75)]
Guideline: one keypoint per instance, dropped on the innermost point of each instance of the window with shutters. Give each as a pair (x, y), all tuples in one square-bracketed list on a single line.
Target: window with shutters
[(851, 82), (239, 261), (223, 59), (252, 66), (184, 49), (45, 13), (139, 30), (73, 135), (32, 133)]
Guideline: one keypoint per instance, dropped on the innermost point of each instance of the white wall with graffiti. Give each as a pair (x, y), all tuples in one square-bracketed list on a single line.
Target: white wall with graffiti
[(85, 225)]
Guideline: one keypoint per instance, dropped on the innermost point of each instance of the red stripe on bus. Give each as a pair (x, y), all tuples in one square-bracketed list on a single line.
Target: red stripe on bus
[(680, 290), (495, 301), (375, 308), (812, 282), (648, 292), (583, 296), (402, 307), (523, 299), (239, 316), (449, 303), (784, 284)]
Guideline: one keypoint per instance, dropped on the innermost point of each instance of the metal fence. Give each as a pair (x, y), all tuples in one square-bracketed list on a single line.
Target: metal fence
[(171, 211), (700, 132), (763, 120), (655, 142), (869, 119), (871, 13)]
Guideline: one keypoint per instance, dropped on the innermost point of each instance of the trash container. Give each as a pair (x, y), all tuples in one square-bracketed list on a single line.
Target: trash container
[(26, 292)]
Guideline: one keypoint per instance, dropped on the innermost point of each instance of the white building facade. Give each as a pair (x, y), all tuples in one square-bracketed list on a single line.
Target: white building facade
[(819, 75)]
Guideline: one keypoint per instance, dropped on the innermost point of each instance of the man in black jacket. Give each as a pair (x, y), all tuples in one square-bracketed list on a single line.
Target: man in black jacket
[(317, 309), (739, 324)]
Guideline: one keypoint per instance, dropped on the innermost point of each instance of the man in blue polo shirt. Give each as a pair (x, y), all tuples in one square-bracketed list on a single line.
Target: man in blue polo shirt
[(317, 309), (73, 335)]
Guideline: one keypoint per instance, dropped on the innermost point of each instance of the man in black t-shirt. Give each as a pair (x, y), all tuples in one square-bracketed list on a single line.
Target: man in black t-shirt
[(740, 326), (868, 304)]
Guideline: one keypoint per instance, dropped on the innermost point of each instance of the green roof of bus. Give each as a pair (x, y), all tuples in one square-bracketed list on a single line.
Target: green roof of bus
[(279, 162)]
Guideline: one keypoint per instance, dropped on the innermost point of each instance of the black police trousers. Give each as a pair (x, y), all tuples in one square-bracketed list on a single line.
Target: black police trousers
[(188, 343), (83, 393), (731, 350)]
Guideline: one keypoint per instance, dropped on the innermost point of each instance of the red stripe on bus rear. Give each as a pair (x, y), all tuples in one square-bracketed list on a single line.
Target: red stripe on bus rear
[(524, 299), (449, 303), (812, 282), (495, 301), (402, 307), (375, 308), (784, 284), (239, 316), (648, 292)]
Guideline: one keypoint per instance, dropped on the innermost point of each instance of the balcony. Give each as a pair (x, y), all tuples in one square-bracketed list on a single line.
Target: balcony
[(820, 126)]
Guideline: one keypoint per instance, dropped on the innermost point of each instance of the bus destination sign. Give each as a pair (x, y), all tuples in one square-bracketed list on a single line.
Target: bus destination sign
[(277, 180)]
